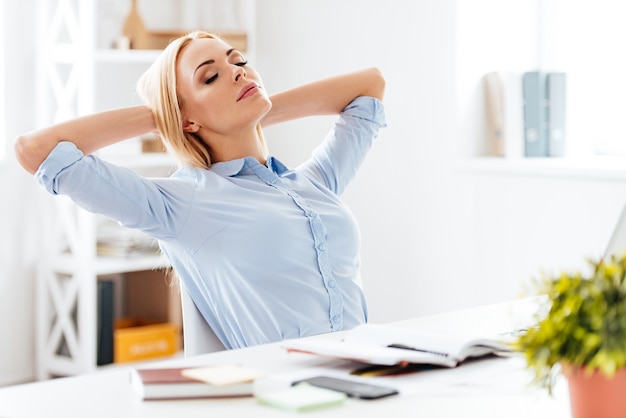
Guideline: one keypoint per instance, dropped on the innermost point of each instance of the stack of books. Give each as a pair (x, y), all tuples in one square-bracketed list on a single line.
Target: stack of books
[(526, 113), (219, 381), (115, 240)]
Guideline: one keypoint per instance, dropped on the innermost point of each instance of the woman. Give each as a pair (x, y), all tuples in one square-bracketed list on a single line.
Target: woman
[(266, 252)]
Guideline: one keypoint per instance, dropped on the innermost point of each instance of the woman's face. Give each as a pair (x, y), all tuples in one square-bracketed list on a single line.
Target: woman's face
[(218, 92)]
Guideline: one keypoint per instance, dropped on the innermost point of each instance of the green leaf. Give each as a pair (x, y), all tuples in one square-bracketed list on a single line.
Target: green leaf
[(583, 323)]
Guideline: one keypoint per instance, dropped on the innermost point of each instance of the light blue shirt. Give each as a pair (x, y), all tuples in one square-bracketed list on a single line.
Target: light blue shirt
[(266, 252)]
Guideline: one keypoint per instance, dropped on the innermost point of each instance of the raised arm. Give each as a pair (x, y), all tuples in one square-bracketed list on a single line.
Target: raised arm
[(89, 133), (325, 97)]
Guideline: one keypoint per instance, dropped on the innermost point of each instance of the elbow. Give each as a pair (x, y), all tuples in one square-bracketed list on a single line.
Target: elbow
[(23, 154), (376, 86)]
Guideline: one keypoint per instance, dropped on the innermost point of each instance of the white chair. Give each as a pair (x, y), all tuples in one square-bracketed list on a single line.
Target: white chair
[(198, 336)]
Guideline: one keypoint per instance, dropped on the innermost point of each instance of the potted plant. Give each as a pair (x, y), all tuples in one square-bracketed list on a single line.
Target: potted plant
[(581, 332)]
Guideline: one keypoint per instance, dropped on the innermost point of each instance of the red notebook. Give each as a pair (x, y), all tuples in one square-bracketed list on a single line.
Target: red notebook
[(169, 383)]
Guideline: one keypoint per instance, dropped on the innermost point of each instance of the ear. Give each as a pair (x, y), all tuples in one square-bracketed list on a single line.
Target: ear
[(190, 126)]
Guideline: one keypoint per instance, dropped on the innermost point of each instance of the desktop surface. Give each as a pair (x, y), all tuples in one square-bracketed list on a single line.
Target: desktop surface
[(483, 388)]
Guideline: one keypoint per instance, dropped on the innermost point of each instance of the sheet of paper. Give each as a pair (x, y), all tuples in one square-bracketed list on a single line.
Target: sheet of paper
[(227, 374)]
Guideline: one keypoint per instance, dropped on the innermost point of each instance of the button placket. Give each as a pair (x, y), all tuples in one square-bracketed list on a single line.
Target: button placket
[(319, 235), (318, 230)]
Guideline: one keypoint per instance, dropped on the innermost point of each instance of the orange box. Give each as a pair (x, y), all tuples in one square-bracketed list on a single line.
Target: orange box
[(151, 295), (136, 340)]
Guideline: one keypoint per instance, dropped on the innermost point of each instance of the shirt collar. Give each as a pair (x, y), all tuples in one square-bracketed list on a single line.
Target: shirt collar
[(234, 168), (228, 168), (275, 165)]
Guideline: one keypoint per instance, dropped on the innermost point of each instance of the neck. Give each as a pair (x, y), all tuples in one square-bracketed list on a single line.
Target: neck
[(235, 146)]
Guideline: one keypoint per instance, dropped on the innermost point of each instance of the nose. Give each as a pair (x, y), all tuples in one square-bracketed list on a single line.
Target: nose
[(239, 72)]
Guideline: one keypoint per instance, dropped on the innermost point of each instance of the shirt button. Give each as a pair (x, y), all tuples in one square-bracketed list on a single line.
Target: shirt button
[(332, 284), (322, 247), (273, 180), (336, 319)]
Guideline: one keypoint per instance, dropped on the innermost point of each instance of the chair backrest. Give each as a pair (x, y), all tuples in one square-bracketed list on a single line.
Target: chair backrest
[(198, 336)]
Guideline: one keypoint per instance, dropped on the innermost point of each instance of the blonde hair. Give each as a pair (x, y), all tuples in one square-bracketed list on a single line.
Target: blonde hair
[(157, 88)]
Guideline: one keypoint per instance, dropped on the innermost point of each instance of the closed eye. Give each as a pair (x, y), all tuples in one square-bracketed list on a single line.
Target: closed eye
[(212, 79)]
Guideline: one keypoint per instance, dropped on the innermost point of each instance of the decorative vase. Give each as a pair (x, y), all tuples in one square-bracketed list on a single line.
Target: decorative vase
[(595, 395), (134, 29)]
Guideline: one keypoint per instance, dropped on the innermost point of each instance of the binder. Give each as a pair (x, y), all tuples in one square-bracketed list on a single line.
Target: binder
[(556, 110), (494, 106), (535, 114), (105, 319), (505, 108)]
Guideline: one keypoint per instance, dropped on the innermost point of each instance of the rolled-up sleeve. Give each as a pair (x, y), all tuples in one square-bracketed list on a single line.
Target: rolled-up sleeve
[(336, 161), (62, 156), (150, 205)]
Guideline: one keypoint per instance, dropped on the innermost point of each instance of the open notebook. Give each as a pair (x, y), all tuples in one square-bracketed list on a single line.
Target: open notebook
[(388, 345)]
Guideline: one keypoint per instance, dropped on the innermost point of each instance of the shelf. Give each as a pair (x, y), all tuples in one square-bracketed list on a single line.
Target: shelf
[(138, 161), (81, 78), (598, 167), (126, 56), (148, 164), (66, 264), (137, 364)]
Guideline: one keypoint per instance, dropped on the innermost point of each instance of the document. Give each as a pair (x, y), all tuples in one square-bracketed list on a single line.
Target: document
[(390, 345), (535, 114)]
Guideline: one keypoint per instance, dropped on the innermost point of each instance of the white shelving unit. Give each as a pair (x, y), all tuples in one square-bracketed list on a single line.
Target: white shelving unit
[(76, 77), (72, 73)]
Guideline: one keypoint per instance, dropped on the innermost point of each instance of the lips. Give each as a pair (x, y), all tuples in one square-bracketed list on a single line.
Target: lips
[(248, 91)]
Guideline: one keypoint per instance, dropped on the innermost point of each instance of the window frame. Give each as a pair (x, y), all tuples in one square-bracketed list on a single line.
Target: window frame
[(593, 102)]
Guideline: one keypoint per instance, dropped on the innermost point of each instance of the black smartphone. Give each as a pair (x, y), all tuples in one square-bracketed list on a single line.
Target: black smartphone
[(353, 389)]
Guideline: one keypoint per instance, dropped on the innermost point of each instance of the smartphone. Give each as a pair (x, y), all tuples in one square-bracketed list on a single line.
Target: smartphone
[(351, 388)]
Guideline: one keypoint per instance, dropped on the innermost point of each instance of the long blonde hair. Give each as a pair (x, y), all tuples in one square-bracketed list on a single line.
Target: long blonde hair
[(157, 88)]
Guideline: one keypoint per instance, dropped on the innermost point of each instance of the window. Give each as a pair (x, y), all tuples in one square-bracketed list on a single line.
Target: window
[(585, 39)]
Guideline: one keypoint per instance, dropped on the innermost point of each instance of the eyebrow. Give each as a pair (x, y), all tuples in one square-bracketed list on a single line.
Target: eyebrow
[(212, 61)]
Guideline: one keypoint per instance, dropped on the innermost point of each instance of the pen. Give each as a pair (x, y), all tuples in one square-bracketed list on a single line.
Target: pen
[(406, 347)]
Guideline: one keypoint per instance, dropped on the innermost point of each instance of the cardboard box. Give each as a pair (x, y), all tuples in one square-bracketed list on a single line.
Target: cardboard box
[(136, 339), (152, 144), (160, 39)]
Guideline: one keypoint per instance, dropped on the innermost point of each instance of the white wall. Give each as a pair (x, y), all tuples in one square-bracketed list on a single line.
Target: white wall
[(407, 196)]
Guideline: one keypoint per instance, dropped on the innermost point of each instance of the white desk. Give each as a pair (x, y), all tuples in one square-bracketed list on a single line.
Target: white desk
[(487, 388)]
